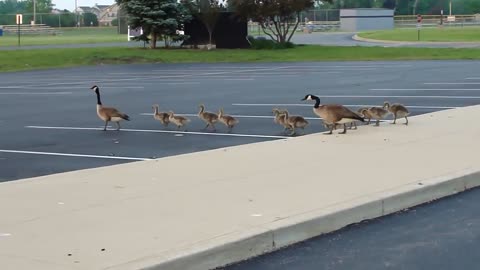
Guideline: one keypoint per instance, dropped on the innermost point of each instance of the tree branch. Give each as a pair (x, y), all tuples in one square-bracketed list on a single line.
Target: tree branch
[(262, 25), (295, 28)]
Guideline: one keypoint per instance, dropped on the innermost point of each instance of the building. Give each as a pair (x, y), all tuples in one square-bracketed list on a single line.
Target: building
[(365, 19), (105, 13)]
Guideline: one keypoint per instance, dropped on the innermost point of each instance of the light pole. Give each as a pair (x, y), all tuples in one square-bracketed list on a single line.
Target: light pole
[(76, 15), (450, 7), (34, 11)]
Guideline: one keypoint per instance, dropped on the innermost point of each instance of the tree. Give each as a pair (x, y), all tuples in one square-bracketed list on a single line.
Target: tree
[(90, 19), (12, 6), (159, 19), (42, 6), (208, 12), (389, 4), (275, 17)]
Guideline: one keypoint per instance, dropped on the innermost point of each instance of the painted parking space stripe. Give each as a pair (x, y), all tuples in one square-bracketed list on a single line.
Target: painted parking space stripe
[(165, 131), (71, 155)]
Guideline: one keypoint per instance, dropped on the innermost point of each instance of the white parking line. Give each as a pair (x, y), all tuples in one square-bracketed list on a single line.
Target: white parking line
[(35, 93), (347, 105), (425, 89), (167, 131), (452, 83), (70, 155)]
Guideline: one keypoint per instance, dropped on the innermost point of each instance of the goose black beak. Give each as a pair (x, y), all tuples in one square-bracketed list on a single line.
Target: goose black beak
[(303, 99)]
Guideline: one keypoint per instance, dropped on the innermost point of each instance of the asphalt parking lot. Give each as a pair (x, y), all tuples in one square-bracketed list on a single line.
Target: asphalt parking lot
[(48, 121)]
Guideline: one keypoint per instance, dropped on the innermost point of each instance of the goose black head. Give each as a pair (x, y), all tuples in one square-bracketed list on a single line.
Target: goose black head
[(94, 88), (310, 97)]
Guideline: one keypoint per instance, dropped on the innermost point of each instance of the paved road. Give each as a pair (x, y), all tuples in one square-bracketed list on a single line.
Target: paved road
[(443, 235), (45, 114)]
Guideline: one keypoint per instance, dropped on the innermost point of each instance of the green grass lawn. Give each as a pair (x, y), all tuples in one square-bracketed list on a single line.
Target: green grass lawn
[(462, 34), (68, 36), (57, 58)]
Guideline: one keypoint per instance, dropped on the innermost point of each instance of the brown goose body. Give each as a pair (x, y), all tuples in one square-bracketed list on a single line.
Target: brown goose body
[(208, 117), (398, 111), (162, 117), (108, 114), (177, 120), (359, 112), (376, 113), (333, 114), (279, 119), (294, 121), (227, 120)]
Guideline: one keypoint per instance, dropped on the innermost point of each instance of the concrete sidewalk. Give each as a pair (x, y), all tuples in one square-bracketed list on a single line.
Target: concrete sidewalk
[(207, 209)]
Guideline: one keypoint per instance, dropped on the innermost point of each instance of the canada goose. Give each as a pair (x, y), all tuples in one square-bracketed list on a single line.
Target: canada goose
[(376, 113), (227, 120), (398, 111), (334, 114), (278, 119), (294, 121), (208, 117), (163, 117), (178, 120), (108, 114)]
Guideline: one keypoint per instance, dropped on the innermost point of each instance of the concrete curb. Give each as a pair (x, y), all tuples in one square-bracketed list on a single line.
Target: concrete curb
[(356, 37), (300, 228)]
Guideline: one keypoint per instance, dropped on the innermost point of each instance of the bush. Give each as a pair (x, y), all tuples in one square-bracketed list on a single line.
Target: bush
[(267, 44)]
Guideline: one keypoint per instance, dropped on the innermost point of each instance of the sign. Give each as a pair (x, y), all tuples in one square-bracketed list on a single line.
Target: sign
[(419, 25), (19, 19), (450, 18), (419, 18)]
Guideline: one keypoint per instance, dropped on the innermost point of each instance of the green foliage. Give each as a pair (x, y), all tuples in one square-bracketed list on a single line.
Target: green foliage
[(11, 7), (278, 19), (160, 19), (266, 44), (90, 19), (115, 22), (43, 6)]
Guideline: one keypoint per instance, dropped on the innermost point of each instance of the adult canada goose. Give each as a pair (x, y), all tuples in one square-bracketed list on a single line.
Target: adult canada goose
[(334, 114), (376, 113), (398, 111), (163, 117), (108, 114), (294, 121), (178, 120), (227, 120), (208, 117)]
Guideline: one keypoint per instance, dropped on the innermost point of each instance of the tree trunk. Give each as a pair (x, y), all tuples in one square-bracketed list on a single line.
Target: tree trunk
[(415, 7), (153, 44), (210, 39)]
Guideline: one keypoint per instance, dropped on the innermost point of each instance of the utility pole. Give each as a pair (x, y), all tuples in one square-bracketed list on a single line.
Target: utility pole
[(34, 11), (76, 15), (450, 7)]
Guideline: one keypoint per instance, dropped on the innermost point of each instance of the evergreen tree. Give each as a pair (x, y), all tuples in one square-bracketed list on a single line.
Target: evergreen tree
[(159, 19)]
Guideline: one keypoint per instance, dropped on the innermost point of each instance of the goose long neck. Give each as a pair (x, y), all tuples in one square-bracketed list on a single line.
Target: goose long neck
[(155, 109), (99, 102), (202, 109), (317, 102)]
